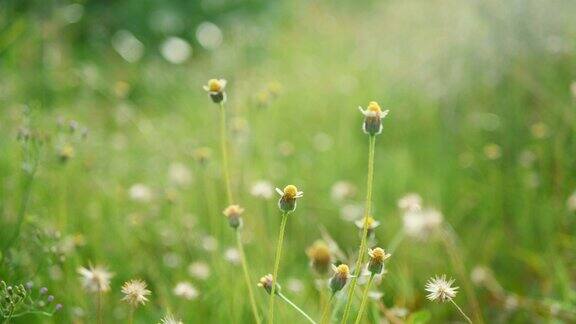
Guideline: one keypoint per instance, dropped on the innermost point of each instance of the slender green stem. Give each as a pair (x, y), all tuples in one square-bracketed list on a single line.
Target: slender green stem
[(461, 311), (326, 309), (131, 315), (363, 242), (364, 298), (276, 266), (296, 308), (247, 276), (224, 152), (99, 308)]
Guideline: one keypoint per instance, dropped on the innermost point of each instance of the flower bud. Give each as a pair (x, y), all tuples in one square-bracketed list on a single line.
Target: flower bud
[(266, 283), (288, 196), (373, 116), (340, 277), (233, 213), (320, 258), (215, 89), (377, 258)]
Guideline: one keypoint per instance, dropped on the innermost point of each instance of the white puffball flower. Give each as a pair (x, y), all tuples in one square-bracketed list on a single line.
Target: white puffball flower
[(186, 290), (128, 46), (175, 50), (209, 35)]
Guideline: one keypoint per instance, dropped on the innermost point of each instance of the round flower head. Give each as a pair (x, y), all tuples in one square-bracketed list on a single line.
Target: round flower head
[(370, 222), (340, 277), (215, 89), (266, 283), (441, 289), (233, 213), (170, 319), (373, 116), (135, 292), (95, 279), (288, 196), (377, 258), (320, 257)]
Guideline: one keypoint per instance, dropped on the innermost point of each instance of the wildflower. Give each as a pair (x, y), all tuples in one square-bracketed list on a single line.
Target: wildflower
[(421, 224), (441, 289), (410, 202), (288, 196), (140, 193), (95, 279), (179, 174), (66, 153), (350, 212), (320, 257), (373, 118), (215, 89), (135, 292), (170, 319), (340, 277), (370, 222), (232, 255), (233, 213), (262, 189), (571, 203), (377, 258), (199, 270), (266, 283), (492, 151), (342, 190), (186, 290), (295, 285)]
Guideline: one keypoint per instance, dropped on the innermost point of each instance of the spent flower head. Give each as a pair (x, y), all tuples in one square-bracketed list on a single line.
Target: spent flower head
[(266, 282), (95, 279), (288, 196), (234, 213), (215, 89), (340, 277), (373, 116), (440, 289), (170, 319), (135, 292), (377, 258)]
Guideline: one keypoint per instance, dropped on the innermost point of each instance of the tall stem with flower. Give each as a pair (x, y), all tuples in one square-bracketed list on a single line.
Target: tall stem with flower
[(215, 89), (372, 126)]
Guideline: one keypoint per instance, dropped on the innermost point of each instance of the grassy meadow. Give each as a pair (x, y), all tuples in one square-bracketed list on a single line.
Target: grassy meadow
[(110, 155)]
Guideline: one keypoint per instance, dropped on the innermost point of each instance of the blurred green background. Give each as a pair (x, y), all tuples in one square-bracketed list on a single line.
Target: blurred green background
[(482, 125)]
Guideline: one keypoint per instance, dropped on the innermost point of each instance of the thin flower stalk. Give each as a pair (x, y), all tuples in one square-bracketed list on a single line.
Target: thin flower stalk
[(247, 276), (364, 299), (298, 309), (461, 311), (277, 265), (224, 152), (326, 310), (363, 242)]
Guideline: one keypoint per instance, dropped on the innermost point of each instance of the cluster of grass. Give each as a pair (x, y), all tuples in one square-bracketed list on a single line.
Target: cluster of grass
[(118, 164)]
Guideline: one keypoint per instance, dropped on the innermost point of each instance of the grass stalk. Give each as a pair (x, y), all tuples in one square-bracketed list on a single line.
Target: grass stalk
[(461, 311), (363, 242), (364, 299), (247, 277), (276, 266), (298, 309)]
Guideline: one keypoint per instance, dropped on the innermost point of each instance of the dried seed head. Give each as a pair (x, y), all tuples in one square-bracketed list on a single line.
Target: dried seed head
[(340, 277), (266, 283), (288, 196), (373, 116), (233, 213), (135, 292), (377, 258), (320, 257), (215, 89), (441, 289), (95, 279)]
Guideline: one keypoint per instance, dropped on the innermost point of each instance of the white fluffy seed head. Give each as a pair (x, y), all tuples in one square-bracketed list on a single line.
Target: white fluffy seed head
[(440, 289)]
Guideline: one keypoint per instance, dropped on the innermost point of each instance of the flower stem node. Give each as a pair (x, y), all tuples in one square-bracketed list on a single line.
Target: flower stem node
[(266, 283), (377, 258), (288, 196), (215, 89), (234, 213), (340, 277), (373, 116)]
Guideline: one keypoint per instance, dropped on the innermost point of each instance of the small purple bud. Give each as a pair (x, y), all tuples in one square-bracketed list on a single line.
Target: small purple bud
[(43, 290), (50, 299), (29, 285), (58, 307)]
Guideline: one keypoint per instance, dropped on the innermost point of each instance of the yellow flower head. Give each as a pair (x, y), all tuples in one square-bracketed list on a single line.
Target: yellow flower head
[(370, 222), (373, 106), (378, 255), (290, 191), (342, 271), (233, 211), (215, 85)]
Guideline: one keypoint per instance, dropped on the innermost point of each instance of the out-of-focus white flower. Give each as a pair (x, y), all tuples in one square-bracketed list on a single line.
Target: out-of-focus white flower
[(128, 46), (140, 192), (351, 212), (410, 202), (441, 289), (323, 142), (399, 311), (209, 243), (72, 13), (175, 50), (186, 290), (420, 224), (492, 151), (209, 35), (342, 190), (179, 174), (95, 279), (199, 270), (571, 203), (172, 260), (262, 189), (232, 255), (573, 89), (295, 285)]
